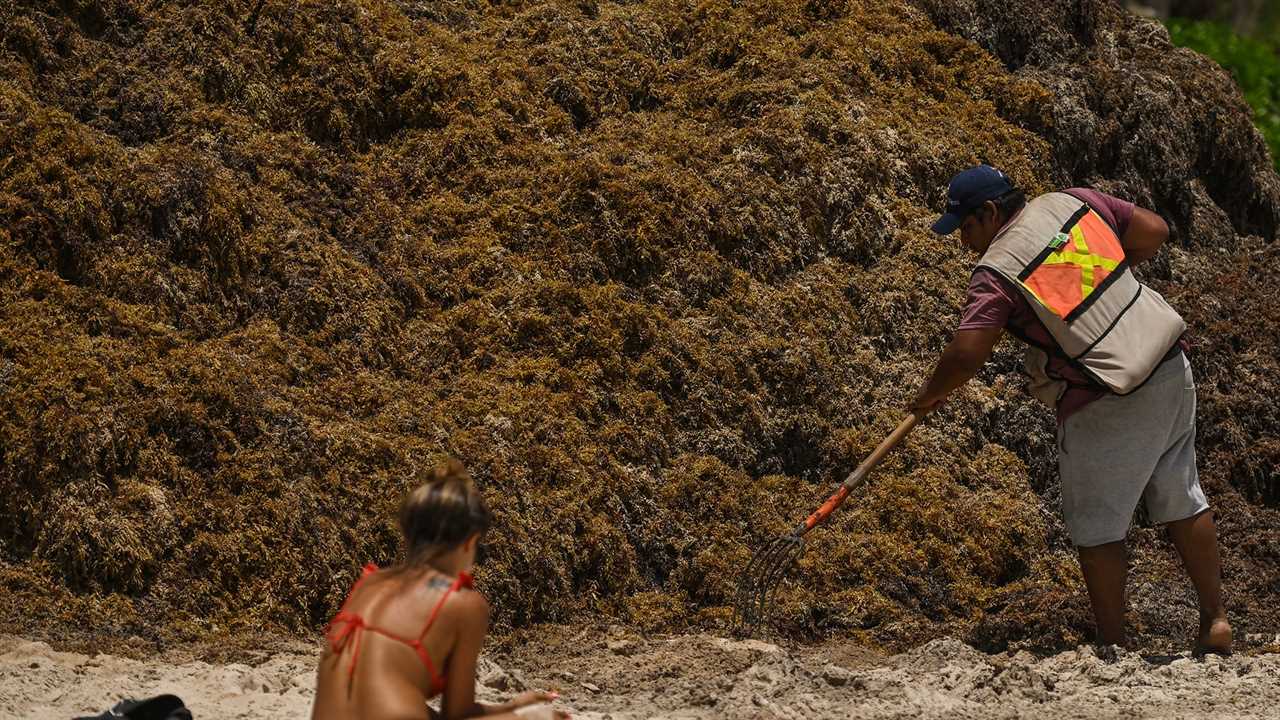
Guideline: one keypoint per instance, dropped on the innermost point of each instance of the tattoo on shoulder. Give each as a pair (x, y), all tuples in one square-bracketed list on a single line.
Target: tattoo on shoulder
[(438, 582)]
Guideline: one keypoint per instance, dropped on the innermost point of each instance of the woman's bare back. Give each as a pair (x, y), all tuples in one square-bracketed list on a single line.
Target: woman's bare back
[(373, 667)]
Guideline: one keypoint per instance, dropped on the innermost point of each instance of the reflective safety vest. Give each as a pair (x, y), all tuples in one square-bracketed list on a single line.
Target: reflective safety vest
[(1069, 264)]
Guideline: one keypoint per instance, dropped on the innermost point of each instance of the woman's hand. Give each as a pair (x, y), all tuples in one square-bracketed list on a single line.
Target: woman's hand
[(543, 712), (534, 696)]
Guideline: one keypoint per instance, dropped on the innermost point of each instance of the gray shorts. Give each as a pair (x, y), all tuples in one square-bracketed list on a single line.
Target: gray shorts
[(1122, 448)]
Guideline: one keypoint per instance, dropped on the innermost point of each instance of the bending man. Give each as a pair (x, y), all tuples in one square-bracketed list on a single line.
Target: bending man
[(1107, 353)]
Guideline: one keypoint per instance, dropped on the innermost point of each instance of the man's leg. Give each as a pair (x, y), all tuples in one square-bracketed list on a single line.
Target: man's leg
[(1196, 539), (1108, 454), (1105, 571)]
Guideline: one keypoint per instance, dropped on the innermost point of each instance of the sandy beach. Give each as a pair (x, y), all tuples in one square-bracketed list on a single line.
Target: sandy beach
[(622, 676)]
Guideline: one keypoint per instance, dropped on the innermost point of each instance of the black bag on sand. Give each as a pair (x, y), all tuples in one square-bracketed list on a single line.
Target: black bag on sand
[(161, 707)]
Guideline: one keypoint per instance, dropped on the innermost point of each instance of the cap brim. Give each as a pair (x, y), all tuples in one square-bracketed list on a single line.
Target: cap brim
[(947, 224)]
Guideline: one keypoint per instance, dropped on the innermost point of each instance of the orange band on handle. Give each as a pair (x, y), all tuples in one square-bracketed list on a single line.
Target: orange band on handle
[(827, 508), (855, 478)]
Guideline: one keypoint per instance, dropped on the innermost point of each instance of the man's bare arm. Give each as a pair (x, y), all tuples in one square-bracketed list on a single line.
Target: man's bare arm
[(1147, 231), (963, 358)]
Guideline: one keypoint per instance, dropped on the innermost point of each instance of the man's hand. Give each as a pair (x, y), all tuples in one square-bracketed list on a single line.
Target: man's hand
[(962, 359), (925, 404)]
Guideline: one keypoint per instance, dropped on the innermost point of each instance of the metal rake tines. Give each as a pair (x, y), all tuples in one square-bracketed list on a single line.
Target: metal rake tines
[(766, 569)]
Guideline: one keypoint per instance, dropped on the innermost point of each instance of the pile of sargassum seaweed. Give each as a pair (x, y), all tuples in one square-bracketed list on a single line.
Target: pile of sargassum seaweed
[(658, 272)]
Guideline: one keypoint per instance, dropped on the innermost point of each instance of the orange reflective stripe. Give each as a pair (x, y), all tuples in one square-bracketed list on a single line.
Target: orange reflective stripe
[(1102, 239), (1056, 286), (1078, 266)]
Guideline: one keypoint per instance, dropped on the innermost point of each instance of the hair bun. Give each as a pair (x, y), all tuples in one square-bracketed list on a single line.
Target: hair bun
[(442, 512)]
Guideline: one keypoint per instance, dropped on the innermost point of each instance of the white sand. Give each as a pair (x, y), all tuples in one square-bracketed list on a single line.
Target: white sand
[(695, 676)]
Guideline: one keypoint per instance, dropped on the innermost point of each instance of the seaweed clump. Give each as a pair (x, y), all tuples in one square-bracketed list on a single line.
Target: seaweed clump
[(658, 273)]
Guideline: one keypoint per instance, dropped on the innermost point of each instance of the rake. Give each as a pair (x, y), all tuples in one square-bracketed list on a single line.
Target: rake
[(771, 562)]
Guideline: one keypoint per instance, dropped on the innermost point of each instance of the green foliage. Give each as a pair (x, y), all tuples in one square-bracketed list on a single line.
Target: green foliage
[(1254, 62)]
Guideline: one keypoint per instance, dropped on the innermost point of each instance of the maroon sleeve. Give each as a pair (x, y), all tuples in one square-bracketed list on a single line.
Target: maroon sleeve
[(1112, 209), (989, 303)]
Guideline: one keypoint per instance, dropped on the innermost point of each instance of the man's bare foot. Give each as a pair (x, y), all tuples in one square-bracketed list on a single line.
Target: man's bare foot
[(1108, 654), (1215, 637)]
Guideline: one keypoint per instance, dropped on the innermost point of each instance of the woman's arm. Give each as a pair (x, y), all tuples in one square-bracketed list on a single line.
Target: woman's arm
[(529, 697), (472, 613)]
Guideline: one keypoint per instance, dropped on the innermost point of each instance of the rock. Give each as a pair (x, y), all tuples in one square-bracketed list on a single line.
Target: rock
[(254, 681), (304, 682), (836, 676), (752, 645), (491, 674), (621, 647)]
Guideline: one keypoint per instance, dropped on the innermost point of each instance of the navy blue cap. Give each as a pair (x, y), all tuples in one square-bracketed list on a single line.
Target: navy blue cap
[(967, 191)]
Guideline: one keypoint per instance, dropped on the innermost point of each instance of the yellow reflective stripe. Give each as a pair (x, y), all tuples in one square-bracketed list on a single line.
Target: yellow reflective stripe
[(1077, 234), (1086, 280), (1081, 259), (1085, 261), (1086, 269), (1075, 251)]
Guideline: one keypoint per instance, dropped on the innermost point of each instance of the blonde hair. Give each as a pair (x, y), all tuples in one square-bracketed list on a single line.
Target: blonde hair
[(441, 513)]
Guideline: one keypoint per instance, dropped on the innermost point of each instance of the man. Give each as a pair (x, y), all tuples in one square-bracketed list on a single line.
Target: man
[(1106, 352)]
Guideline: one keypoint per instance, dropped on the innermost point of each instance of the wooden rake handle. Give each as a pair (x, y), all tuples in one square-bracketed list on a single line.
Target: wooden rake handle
[(820, 515)]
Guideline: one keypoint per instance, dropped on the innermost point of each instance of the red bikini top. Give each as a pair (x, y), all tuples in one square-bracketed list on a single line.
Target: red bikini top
[(349, 625)]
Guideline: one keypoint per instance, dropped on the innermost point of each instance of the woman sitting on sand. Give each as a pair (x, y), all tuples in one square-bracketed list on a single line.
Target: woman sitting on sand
[(409, 633)]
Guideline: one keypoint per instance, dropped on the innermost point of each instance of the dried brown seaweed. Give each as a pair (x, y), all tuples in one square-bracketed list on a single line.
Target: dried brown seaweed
[(657, 272)]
